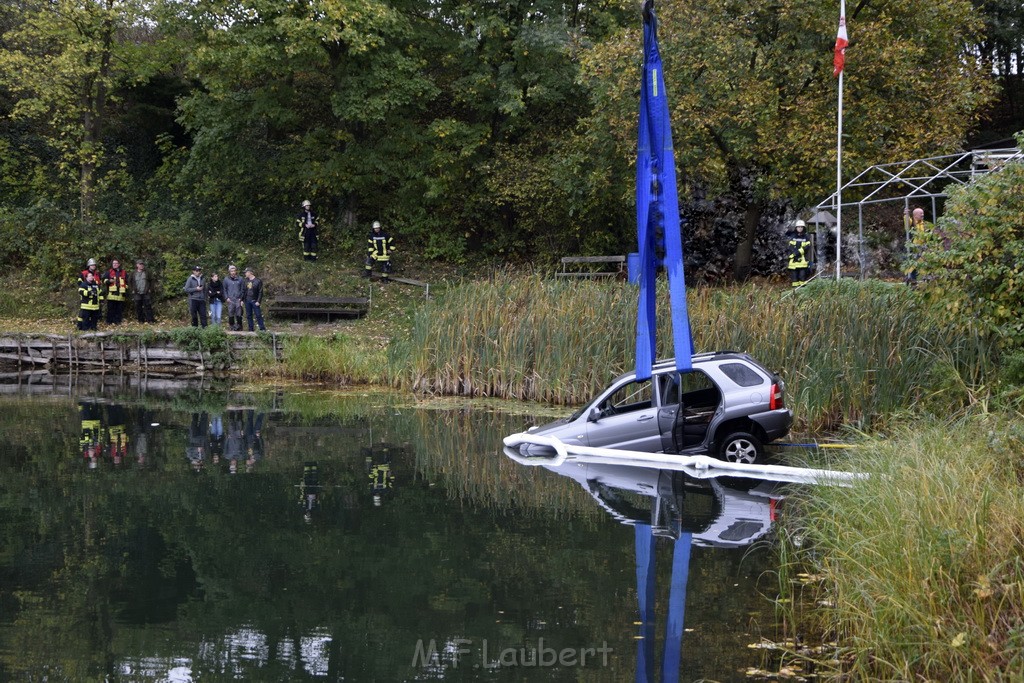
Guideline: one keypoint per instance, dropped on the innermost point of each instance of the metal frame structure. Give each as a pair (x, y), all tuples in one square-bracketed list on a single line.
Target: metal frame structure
[(903, 181)]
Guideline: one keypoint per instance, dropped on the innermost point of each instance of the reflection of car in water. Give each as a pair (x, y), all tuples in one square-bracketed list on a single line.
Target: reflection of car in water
[(727, 406), (723, 512)]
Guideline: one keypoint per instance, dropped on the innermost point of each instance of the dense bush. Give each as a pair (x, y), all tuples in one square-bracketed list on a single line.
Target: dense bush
[(973, 263)]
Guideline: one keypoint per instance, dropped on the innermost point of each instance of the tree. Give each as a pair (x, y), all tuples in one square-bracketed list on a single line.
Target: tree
[(65, 62), (754, 100)]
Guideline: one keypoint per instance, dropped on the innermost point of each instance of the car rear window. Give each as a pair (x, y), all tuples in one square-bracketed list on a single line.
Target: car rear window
[(743, 375)]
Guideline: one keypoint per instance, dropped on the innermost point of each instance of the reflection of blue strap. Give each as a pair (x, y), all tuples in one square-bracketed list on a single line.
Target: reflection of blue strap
[(645, 575), (657, 214), (676, 608)]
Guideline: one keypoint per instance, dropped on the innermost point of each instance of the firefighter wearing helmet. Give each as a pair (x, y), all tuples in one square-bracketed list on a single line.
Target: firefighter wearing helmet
[(379, 247), (800, 255), (308, 223)]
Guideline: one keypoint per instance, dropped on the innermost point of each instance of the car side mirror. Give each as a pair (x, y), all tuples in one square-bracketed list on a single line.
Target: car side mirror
[(595, 415)]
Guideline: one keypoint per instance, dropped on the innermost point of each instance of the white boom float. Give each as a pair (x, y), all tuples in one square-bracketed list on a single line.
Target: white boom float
[(697, 466)]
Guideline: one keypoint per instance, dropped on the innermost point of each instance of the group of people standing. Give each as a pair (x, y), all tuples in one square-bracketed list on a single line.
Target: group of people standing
[(115, 286), (239, 294)]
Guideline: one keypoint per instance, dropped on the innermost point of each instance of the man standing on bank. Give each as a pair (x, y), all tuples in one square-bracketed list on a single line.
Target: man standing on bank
[(195, 287), (142, 293), (253, 298), (308, 223), (378, 250), (234, 295)]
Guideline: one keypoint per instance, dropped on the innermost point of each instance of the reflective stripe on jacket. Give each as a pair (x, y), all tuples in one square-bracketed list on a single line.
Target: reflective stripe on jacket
[(117, 284), (799, 252), (379, 246), (90, 295)]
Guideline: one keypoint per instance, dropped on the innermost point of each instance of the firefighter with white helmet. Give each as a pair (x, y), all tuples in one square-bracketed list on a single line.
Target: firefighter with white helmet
[(308, 223), (379, 247), (801, 255)]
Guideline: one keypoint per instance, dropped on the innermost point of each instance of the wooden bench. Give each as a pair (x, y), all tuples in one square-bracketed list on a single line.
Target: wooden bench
[(572, 266), (309, 306)]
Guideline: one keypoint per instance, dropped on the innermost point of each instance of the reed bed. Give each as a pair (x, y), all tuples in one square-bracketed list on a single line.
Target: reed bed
[(850, 353), (337, 359), (920, 567)]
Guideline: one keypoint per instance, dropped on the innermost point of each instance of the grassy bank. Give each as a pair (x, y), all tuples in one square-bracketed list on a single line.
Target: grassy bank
[(850, 353), (917, 573)]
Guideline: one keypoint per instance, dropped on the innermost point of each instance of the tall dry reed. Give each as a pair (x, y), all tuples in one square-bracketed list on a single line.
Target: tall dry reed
[(920, 566), (849, 353)]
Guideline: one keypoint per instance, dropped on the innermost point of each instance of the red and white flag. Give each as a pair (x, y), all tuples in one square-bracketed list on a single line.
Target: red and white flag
[(839, 59)]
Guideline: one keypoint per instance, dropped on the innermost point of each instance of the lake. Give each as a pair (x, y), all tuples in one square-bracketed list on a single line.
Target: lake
[(159, 531)]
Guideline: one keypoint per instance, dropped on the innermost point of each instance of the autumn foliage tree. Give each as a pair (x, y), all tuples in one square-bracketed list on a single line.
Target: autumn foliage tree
[(754, 100)]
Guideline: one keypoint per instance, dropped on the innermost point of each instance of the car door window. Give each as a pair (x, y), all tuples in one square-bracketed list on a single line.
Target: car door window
[(628, 398), (669, 393), (698, 392)]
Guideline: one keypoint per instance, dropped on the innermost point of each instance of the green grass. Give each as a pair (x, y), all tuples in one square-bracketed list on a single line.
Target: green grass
[(850, 354), (920, 567)]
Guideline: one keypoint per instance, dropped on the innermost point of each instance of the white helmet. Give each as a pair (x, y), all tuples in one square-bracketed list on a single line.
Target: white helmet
[(799, 224), (306, 204), (90, 262), (376, 224)]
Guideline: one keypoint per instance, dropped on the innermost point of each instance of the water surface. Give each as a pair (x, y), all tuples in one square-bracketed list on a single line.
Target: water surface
[(152, 533)]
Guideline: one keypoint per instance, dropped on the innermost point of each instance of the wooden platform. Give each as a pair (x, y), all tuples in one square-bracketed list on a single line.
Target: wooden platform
[(150, 352)]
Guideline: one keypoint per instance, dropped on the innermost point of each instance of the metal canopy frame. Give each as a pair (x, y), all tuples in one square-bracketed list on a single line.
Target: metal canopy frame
[(904, 181)]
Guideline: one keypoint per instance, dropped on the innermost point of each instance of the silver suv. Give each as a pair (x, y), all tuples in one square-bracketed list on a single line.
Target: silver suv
[(727, 406)]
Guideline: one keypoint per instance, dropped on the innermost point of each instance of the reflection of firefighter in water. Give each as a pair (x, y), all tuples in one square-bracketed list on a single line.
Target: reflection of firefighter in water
[(117, 434), (309, 490), (92, 424), (382, 479)]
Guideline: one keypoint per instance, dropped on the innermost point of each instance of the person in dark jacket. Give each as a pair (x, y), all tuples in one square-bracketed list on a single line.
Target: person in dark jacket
[(253, 299), (116, 281), (234, 296), (308, 223), (216, 291), (195, 288)]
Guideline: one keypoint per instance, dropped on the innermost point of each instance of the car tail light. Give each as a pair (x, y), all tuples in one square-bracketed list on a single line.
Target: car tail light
[(776, 402)]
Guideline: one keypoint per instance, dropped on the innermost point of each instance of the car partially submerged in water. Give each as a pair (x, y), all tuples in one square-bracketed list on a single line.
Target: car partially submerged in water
[(727, 406)]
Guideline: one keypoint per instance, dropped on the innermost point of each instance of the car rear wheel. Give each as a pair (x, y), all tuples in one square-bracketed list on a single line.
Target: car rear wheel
[(741, 447)]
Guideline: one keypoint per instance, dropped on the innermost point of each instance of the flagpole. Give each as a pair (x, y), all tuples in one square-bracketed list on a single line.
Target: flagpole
[(839, 183)]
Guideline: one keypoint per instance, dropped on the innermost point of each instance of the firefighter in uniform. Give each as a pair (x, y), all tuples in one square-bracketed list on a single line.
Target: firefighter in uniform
[(89, 308), (308, 223), (116, 281), (799, 255), (379, 247)]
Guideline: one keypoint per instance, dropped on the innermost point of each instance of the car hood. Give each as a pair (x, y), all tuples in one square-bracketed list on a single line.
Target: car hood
[(548, 426)]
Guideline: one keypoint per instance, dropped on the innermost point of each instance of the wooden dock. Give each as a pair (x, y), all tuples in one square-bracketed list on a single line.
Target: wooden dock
[(150, 352)]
